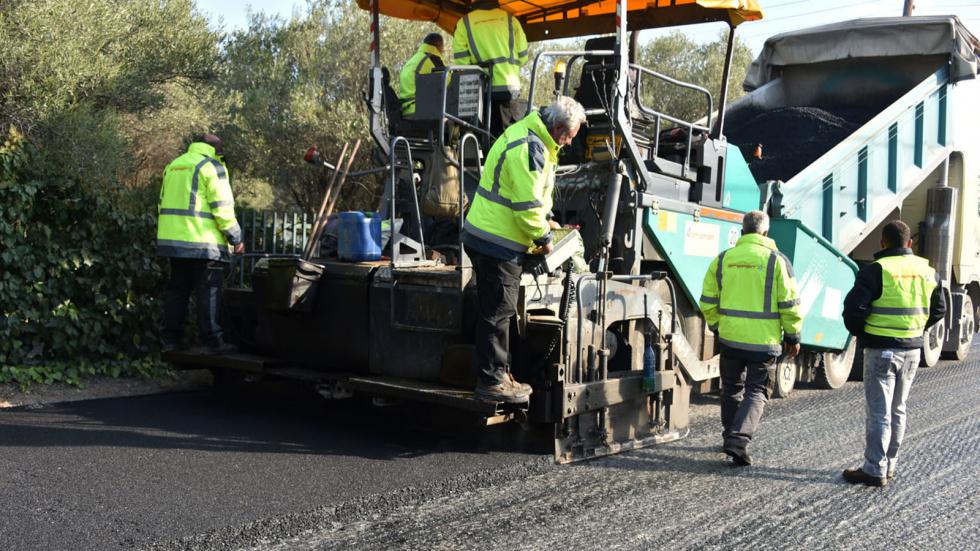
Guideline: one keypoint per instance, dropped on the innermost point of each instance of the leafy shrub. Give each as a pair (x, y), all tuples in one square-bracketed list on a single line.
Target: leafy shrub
[(78, 281)]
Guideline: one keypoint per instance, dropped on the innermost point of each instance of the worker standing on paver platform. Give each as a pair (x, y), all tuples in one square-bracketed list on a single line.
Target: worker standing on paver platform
[(509, 216), (492, 38), (197, 230), (749, 300), (427, 59), (893, 301)]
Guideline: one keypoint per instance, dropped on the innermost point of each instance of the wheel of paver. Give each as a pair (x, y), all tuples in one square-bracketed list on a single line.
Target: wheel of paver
[(835, 367), (857, 366), (932, 344), (785, 378), (963, 349)]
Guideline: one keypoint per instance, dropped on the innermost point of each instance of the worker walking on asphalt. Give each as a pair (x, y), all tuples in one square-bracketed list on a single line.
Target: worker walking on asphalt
[(197, 230), (509, 216), (893, 301), (426, 60), (749, 300), (492, 38)]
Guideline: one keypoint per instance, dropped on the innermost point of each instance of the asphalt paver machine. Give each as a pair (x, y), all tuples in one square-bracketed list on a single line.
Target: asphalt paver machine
[(604, 349), (612, 351)]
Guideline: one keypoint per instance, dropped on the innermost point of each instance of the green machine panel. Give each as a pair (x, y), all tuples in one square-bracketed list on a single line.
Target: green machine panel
[(823, 278), (741, 190), (689, 245), (823, 274)]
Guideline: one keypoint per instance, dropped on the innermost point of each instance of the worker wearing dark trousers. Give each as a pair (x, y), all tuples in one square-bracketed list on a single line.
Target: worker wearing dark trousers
[(508, 219), (498, 284), (749, 300), (186, 276), (197, 231), (893, 301), (493, 39)]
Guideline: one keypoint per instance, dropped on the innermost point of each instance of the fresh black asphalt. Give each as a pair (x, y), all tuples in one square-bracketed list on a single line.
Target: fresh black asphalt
[(273, 472), (119, 473)]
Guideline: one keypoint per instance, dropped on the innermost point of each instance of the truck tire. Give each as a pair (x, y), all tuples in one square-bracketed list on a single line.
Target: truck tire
[(835, 367), (963, 347), (785, 378), (932, 345)]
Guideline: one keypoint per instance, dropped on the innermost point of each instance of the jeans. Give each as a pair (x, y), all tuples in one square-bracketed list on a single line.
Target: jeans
[(745, 389), (888, 375), (498, 285), (186, 276)]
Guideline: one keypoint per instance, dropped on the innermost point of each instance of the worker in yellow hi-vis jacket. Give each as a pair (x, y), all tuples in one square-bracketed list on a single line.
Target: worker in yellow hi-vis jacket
[(197, 231), (749, 300), (509, 217), (494, 39), (427, 59)]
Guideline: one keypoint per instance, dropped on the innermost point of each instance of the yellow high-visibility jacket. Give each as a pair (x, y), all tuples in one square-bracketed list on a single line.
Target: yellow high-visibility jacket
[(513, 199), (902, 310), (197, 210), (492, 38), (426, 59), (749, 297)]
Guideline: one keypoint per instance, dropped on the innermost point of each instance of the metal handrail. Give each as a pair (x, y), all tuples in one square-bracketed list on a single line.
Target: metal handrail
[(463, 259), (395, 242), (675, 82)]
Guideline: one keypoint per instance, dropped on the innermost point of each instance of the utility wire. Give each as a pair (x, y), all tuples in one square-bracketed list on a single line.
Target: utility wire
[(826, 10)]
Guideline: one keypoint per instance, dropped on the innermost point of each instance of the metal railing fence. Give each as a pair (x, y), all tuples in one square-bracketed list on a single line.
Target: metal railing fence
[(268, 234)]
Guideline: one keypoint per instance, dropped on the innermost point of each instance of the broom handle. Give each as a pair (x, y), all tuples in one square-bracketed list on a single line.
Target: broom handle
[(336, 193), (323, 204), (343, 179)]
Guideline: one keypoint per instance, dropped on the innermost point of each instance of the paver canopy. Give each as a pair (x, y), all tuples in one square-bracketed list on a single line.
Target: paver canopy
[(550, 19)]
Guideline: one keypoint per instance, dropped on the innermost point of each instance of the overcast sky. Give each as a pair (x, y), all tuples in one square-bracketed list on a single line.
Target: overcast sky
[(780, 15)]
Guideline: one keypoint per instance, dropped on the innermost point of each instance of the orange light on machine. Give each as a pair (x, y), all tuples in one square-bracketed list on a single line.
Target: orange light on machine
[(758, 151)]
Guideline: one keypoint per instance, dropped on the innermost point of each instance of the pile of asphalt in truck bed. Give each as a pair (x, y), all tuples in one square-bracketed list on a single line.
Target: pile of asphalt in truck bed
[(791, 137)]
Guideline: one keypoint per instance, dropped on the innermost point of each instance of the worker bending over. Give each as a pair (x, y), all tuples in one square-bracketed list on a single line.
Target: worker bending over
[(508, 218), (492, 38), (749, 300), (427, 59), (894, 299), (197, 230)]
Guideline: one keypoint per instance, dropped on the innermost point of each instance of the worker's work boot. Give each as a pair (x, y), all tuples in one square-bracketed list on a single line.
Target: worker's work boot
[(505, 391), (524, 386), (740, 456), (858, 476)]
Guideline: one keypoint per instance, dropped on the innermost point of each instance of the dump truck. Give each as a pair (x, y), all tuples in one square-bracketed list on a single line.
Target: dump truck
[(613, 350)]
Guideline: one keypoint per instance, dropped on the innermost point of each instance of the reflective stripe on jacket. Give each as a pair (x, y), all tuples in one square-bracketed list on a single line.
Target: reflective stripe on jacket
[(749, 297), (902, 310), (425, 60), (514, 196), (197, 210), (492, 38)]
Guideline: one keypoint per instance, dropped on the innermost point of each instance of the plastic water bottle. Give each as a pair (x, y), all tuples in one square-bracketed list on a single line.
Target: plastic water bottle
[(649, 366)]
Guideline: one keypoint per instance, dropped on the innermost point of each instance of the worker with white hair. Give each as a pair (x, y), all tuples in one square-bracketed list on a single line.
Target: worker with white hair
[(509, 218)]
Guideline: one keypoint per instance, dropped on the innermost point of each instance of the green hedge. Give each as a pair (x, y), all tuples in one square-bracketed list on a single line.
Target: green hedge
[(78, 279)]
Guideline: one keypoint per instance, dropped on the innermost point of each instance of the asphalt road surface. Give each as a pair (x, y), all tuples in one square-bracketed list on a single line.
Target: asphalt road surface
[(186, 471)]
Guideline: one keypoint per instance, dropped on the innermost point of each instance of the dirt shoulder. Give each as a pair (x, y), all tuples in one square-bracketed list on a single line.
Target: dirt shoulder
[(92, 389)]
